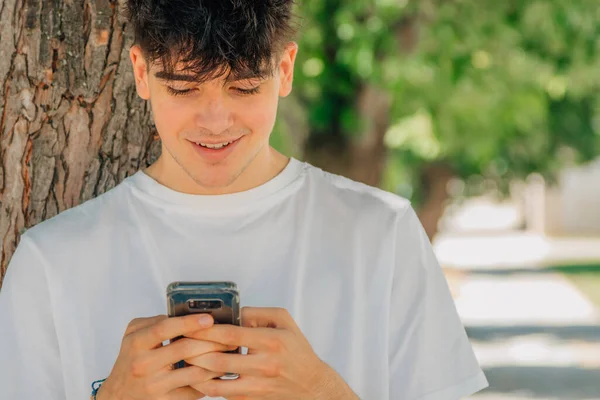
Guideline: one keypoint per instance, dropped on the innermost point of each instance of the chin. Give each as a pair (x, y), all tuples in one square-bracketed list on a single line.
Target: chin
[(214, 181)]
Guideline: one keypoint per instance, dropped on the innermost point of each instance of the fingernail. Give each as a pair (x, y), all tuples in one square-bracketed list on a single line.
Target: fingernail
[(205, 320)]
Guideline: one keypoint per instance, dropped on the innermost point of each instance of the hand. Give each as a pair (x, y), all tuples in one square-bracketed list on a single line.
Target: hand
[(143, 367), (280, 363)]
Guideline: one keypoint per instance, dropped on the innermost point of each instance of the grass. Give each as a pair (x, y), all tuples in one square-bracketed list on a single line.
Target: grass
[(585, 277)]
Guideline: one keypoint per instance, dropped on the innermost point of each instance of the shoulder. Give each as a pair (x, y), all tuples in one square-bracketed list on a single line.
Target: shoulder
[(94, 217), (347, 196)]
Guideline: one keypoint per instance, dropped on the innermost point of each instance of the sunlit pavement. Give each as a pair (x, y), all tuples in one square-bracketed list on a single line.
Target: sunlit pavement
[(535, 334)]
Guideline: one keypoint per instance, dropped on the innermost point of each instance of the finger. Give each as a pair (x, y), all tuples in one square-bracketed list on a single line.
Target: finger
[(268, 317), (184, 393), (139, 323), (254, 365), (176, 351), (169, 328), (180, 378), (245, 386), (252, 338)]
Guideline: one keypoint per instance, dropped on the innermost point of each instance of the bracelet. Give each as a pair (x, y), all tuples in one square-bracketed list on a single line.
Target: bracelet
[(96, 388)]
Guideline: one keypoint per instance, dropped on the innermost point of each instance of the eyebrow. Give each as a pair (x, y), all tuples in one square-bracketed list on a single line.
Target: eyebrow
[(163, 75)]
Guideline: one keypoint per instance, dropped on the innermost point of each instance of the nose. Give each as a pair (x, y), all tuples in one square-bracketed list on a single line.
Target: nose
[(214, 115)]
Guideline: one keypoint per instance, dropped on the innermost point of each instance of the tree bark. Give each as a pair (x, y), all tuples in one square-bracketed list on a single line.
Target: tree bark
[(72, 125)]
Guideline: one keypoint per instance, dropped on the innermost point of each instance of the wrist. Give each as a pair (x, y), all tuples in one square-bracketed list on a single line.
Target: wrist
[(332, 386), (104, 392), (96, 385), (101, 394)]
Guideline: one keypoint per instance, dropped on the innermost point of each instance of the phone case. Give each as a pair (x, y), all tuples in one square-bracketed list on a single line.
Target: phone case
[(182, 295)]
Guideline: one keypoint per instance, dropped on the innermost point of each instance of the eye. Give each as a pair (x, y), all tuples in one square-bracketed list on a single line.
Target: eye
[(246, 92), (175, 92)]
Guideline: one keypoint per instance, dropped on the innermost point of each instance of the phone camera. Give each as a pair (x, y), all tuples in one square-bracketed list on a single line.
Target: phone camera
[(204, 304)]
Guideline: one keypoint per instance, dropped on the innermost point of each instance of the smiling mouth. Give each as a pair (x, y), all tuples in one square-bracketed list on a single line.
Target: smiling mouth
[(214, 146)]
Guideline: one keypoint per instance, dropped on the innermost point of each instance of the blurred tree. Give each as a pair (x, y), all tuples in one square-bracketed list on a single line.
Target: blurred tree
[(407, 95)]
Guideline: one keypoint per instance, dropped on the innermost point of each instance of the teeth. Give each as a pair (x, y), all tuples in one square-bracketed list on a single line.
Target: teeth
[(213, 146)]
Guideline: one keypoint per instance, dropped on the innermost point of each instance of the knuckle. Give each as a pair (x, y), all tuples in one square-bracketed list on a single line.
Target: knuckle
[(127, 342), (133, 341), (230, 336), (132, 325), (210, 389), (272, 369), (158, 330), (185, 347), (137, 368), (275, 345)]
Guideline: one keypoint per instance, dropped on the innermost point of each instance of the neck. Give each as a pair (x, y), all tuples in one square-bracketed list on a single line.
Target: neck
[(264, 167)]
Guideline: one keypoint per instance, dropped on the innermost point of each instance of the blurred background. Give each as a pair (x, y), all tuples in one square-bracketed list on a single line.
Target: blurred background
[(485, 114)]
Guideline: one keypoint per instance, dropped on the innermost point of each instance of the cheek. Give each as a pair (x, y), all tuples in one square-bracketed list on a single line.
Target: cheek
[(260, 117), (168, 117)]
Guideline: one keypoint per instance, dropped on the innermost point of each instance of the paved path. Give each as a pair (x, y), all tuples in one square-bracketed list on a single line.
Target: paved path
[(506, 250), (535, 335)]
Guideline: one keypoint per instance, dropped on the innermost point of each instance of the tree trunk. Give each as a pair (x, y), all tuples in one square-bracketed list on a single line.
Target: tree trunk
[(434, 181), (362, 159), (72, 124)]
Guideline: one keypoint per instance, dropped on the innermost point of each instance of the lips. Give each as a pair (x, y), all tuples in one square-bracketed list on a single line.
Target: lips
[(214, 154), (214, 145)]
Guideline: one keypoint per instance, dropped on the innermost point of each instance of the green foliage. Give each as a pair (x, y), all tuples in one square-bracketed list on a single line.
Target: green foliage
[(339, 49), (500, 89)]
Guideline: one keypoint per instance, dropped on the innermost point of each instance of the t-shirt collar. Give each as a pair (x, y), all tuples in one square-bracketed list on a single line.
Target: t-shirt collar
[(144, 183)]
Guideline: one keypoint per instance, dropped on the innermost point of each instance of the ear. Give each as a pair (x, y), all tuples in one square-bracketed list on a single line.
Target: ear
[(286, 69), (140, 71)]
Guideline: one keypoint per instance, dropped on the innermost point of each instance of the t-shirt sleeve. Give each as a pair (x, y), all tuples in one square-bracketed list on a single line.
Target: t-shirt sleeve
[(431, 357), (30, 366)]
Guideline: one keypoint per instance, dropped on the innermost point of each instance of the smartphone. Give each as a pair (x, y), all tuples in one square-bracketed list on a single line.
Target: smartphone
[(220, 299)]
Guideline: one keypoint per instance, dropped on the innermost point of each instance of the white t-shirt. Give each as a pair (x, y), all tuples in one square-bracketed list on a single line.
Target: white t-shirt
[(351, 263)]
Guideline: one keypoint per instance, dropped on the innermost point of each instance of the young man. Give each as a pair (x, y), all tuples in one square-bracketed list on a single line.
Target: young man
[(347, 298)]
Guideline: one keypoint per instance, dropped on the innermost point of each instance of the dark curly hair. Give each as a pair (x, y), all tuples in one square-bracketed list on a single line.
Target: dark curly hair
[(212, 38)]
